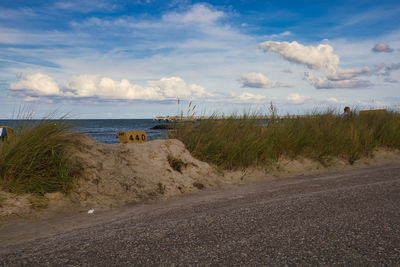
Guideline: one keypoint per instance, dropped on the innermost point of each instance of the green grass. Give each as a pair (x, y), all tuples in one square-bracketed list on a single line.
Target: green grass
[(323, 136), (37, 161)]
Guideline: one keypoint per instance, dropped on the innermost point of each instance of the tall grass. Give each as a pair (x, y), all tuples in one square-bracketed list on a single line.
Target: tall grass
[(37, 161), (249, 141)]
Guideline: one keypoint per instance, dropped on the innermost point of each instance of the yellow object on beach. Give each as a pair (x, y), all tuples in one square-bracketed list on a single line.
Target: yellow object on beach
[(132, 136), (7, 134)]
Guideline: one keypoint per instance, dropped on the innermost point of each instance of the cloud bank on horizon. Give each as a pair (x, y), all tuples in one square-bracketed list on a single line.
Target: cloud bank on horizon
[(112, 51), (34, 86)]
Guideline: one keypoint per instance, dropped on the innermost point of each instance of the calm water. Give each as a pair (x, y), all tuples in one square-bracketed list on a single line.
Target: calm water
[(105, 130)]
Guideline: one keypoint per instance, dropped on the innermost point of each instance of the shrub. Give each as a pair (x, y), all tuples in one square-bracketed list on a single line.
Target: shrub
[(37, 161)]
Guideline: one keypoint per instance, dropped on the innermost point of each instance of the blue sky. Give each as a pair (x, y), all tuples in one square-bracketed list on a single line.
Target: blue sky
[(134, 59)]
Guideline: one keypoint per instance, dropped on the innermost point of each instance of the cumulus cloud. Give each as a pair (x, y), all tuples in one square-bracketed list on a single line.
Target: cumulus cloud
[(382, 47), (326, 83), (104, 88), (247, 97), (257, 80), (174, 87), (37, 84), (296, 98), (320, 58), (333, 100)]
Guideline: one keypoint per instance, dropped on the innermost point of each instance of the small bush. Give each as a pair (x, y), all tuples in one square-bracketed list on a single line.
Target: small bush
[(176, 164), (37, 160), (250, 141)]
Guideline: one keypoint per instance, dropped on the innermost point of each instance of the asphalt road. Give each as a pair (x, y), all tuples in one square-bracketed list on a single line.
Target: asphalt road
[(349, 218)]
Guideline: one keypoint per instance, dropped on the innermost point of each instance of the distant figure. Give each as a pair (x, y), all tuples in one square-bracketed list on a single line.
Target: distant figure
[(346, 112)]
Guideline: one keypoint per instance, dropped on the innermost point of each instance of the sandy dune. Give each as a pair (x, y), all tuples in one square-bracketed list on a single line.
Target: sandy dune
[(114, 175)]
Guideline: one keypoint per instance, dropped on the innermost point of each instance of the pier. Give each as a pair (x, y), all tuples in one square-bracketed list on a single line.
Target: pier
[(200, 118)]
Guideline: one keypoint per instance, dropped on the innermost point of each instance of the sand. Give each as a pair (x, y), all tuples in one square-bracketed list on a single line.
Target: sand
[(118, 174), (124, 173)]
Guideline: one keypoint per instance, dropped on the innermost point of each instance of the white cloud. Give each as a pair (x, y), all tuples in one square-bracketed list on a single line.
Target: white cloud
[(333, 100), (320, 58), (347, 74), (249, 98), (31, 99), (198, 13), (174, 87), (279, 35), (286, 33), (102, 88), (382, 47), (326, 83), (106, 88), (256, 80), (37, 84), (296, 98)]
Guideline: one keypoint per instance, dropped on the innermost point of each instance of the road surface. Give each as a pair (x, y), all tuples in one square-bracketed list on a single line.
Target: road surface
[(349, 218)]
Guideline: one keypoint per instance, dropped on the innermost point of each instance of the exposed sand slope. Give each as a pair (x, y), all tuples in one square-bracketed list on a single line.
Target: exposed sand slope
[(114, 175)]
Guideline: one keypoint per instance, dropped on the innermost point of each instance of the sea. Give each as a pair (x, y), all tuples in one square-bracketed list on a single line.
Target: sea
[(104, 131)]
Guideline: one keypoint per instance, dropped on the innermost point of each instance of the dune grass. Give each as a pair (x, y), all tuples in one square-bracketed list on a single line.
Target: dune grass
[(37, 161), (239, 143)]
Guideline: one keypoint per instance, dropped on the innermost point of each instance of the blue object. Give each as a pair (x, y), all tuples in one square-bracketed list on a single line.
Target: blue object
[(2, 132)]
